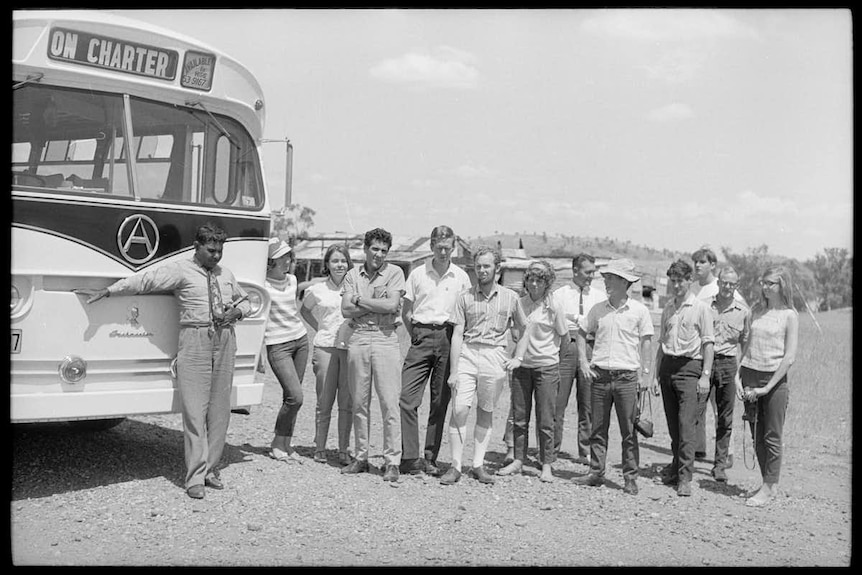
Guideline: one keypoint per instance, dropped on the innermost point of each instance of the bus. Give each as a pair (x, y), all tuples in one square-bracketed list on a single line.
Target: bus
[(126, 137)]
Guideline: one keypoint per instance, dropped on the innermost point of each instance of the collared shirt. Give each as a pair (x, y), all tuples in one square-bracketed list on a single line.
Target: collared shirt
[(323, 300), (685, 330), (618, 334), (187, 280), (486, 319), (433, 295), (732, 327), (710, 290), (543, 347), (283, 323), (570, 296), (383, 283)]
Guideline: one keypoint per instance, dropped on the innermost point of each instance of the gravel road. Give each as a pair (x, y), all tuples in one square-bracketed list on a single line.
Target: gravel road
[(116, 498)]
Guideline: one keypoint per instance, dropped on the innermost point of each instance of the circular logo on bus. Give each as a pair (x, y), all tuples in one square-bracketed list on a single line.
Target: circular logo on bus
[(138, 238)]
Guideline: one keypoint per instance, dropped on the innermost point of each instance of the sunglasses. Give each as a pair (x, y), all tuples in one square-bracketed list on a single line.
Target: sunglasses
[(768, 283)]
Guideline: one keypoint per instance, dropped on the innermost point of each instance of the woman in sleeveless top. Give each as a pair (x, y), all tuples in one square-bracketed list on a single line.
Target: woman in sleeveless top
[(286, 343), (762, 382)]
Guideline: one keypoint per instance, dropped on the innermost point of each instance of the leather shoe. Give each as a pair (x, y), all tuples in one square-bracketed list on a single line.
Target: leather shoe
[(451, 476), (591, 479), (582, 459), (729, 463), (431, 468), (412, 467), (631, 486), (391, 473), (719, 474), (356, 466), (482, 475), (668, 477), (196, 491), (684, 489), (700, 455), (214, 482)]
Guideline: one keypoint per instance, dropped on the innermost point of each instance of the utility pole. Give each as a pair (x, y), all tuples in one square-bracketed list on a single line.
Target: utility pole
[(288, 168)]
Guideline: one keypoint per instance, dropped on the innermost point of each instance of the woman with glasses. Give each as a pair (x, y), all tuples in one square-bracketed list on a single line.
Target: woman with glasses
[(766, 360)]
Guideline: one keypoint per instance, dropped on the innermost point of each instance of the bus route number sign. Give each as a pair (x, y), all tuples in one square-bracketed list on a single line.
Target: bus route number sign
[(198, 68), (16, 341)]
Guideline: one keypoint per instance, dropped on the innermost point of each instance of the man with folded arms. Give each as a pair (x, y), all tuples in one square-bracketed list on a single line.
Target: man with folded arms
[(618, 370), (428, 312), (371, 300), (478, 360), (684, 364)]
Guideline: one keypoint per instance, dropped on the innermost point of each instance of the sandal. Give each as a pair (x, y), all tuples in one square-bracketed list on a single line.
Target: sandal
[(278, 454), (344, 458), (320, 456), (294, 457)]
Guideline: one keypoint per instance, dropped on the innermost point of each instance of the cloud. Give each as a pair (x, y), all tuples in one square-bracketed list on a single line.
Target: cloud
[(657, 25), (676, 67), (469, 171), (444, 68), (671, 113)]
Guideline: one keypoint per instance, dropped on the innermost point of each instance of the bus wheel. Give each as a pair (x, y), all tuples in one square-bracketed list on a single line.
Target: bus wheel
[(96, 424)]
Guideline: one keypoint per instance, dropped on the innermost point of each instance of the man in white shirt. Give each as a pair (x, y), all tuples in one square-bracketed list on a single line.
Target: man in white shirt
[(577, 299), (428, 312)]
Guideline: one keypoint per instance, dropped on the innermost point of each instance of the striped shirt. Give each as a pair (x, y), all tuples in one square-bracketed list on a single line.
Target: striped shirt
[(768, 332), (732, 327), (686, 329), (187, 280), (284, 323), (486, 319)]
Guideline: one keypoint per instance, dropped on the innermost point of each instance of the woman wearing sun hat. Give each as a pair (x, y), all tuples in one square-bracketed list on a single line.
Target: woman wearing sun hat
[(286, 341)]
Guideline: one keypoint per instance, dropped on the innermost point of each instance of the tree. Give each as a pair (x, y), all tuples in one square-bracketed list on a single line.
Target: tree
[(833, 276), (292, 222)]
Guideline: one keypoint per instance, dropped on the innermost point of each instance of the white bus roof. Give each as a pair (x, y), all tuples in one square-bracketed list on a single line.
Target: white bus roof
[(233, 90)]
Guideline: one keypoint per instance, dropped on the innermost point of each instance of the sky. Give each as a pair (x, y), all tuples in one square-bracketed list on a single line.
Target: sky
[(669, 128)]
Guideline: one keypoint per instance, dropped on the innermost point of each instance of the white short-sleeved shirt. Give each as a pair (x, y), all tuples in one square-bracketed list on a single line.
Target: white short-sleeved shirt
[(618, 334), (434, 295), (323, 300), (570, 297)]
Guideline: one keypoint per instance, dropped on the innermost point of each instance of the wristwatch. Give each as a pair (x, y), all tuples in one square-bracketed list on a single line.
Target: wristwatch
[(356, 299), (706, 372)]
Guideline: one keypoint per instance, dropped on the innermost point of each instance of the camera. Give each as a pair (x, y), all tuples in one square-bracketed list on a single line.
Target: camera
[(750, 413)]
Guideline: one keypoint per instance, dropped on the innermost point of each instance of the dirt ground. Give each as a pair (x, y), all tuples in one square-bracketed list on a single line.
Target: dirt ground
[(116, 498)]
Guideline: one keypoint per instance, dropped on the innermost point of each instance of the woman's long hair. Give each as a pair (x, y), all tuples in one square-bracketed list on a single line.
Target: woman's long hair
[(785, 285)]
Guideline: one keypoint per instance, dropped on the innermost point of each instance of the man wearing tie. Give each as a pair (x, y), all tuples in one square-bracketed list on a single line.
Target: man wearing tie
[(578, 299), (211, 301)]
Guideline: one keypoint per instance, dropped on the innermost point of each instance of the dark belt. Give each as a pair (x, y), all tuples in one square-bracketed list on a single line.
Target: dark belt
[(681, 358), (615, 372), (719, 356), (432, 325)]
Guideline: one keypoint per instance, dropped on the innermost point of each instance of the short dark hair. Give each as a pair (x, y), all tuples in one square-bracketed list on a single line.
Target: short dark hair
[(340, 248), (581, 258), (441, 233), (210, 232), (680, 268), (378, 234), (482, 250), (704, 253)]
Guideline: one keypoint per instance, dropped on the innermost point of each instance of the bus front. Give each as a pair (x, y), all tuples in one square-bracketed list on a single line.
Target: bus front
[(125, 139)]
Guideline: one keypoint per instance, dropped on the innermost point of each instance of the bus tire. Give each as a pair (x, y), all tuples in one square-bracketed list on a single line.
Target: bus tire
[(96, 424)]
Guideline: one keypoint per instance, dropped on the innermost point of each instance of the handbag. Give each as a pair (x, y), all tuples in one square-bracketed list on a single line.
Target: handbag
[(644, 425)]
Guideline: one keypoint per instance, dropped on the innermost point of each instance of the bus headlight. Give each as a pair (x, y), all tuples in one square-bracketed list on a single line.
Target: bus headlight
[(173, 368), (22, 296), (256, 299), (72, 369), (16, 299)]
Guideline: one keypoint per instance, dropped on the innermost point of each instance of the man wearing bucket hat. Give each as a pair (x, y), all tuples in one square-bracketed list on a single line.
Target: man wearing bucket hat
[(618, 370)]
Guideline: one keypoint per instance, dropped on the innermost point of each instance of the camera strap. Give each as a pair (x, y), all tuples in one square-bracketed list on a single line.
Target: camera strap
[(753, 448)]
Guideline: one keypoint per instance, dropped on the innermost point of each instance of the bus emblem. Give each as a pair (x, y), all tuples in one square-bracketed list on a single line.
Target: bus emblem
[(133, 316), (138, 238)]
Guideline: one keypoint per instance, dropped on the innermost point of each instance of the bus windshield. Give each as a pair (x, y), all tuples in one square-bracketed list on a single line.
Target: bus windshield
[(73, 142)]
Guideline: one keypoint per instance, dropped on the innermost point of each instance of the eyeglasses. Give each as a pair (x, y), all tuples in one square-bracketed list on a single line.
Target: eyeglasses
[(728, 284), (768, 283)]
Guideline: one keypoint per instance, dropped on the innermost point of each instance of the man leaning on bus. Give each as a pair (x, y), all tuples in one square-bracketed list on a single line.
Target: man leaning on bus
[(211, 301)]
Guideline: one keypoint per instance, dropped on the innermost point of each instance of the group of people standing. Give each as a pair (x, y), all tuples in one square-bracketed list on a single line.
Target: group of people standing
[(575, 338)]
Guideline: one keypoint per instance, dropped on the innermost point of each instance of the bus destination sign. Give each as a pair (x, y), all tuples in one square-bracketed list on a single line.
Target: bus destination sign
[(112, 54), (198, 70)]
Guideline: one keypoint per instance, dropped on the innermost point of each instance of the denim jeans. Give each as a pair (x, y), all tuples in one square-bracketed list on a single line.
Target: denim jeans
[(678, 380), (769, 431), (570, 376), (541, 382), (374, 360), (428, 355), (288, 361), (330, 371), (618, 388), (722, 384)]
